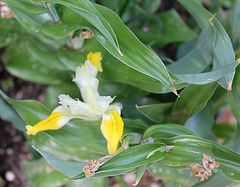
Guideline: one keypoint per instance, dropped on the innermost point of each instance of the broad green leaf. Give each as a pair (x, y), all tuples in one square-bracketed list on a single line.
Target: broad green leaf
[(51, 94), (30, 110), (202, 122), (224, 131), (68, 168), (208, 77), (186, 47), (234, 21), (234, 103), (192, 99), (134, 126), (129, 159), (91, 14), (26, 6), (199, 57), (173, 30), (45, 53), (20, 63), (117, 6), (184, 177), (39, 173), (223, 50), (167, 131), (190, 149), (29, 21), (9, 31), (104, 174), (215, 181), (234, 97), (8, 113), (134, 157), (148, 64), (156, 112), (72, 58)]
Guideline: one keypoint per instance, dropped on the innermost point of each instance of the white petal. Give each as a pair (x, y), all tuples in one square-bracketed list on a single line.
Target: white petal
[(115, 107), (62, 109), (87, 83), (65, 100)]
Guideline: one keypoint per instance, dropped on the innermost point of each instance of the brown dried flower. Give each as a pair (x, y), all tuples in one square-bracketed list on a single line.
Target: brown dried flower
[(5, 10), (205, 170), (86, 34)]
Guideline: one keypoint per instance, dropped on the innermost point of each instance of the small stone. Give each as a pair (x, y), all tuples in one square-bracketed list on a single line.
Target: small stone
[(9, 151), (10, 176)]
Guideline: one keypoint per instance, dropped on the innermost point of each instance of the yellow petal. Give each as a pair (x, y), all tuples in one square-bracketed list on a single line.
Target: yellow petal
[(51, 123), (112, 130), (95, 59)]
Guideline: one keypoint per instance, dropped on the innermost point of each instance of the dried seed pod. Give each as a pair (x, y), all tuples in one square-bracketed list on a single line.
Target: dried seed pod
[(86, 34)]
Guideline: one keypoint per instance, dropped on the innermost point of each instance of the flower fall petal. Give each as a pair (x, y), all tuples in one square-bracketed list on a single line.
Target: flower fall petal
[(55, 121), (112, 129)]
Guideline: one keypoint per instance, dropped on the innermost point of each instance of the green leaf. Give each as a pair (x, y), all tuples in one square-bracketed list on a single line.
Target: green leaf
[(184, 177), (144, 60), (202, 122), (166, 131), (52, 93), (39, 173), (103, 174), (20, 63), (9, 31), (134, 157), (208, 77), (173, 30), (91, 14), (68, 168), (30, 110), (134, 126), (129, 159), (224, 131), (215, 181), (190, 149), (192, 100), (8, 113), (199, 57), (234, 103), (26, 6), (140, 172), (234, 97), (156, 112), (223, 50), (45, 53)]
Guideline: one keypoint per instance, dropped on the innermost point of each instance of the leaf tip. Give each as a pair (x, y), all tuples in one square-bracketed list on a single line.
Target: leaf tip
[(137, 107), (229, 86), (119, 52), (175, 92), (210, 20)]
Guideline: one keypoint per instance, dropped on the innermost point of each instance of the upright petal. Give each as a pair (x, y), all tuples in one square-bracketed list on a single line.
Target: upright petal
[(112, 129), (55, 121), (87, 83), (95, 59)]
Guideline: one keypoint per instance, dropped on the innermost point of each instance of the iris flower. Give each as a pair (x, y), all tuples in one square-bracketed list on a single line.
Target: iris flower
[(93, 106)]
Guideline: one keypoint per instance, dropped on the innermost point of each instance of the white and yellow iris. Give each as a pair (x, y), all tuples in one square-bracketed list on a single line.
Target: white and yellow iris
[(93, 107)]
